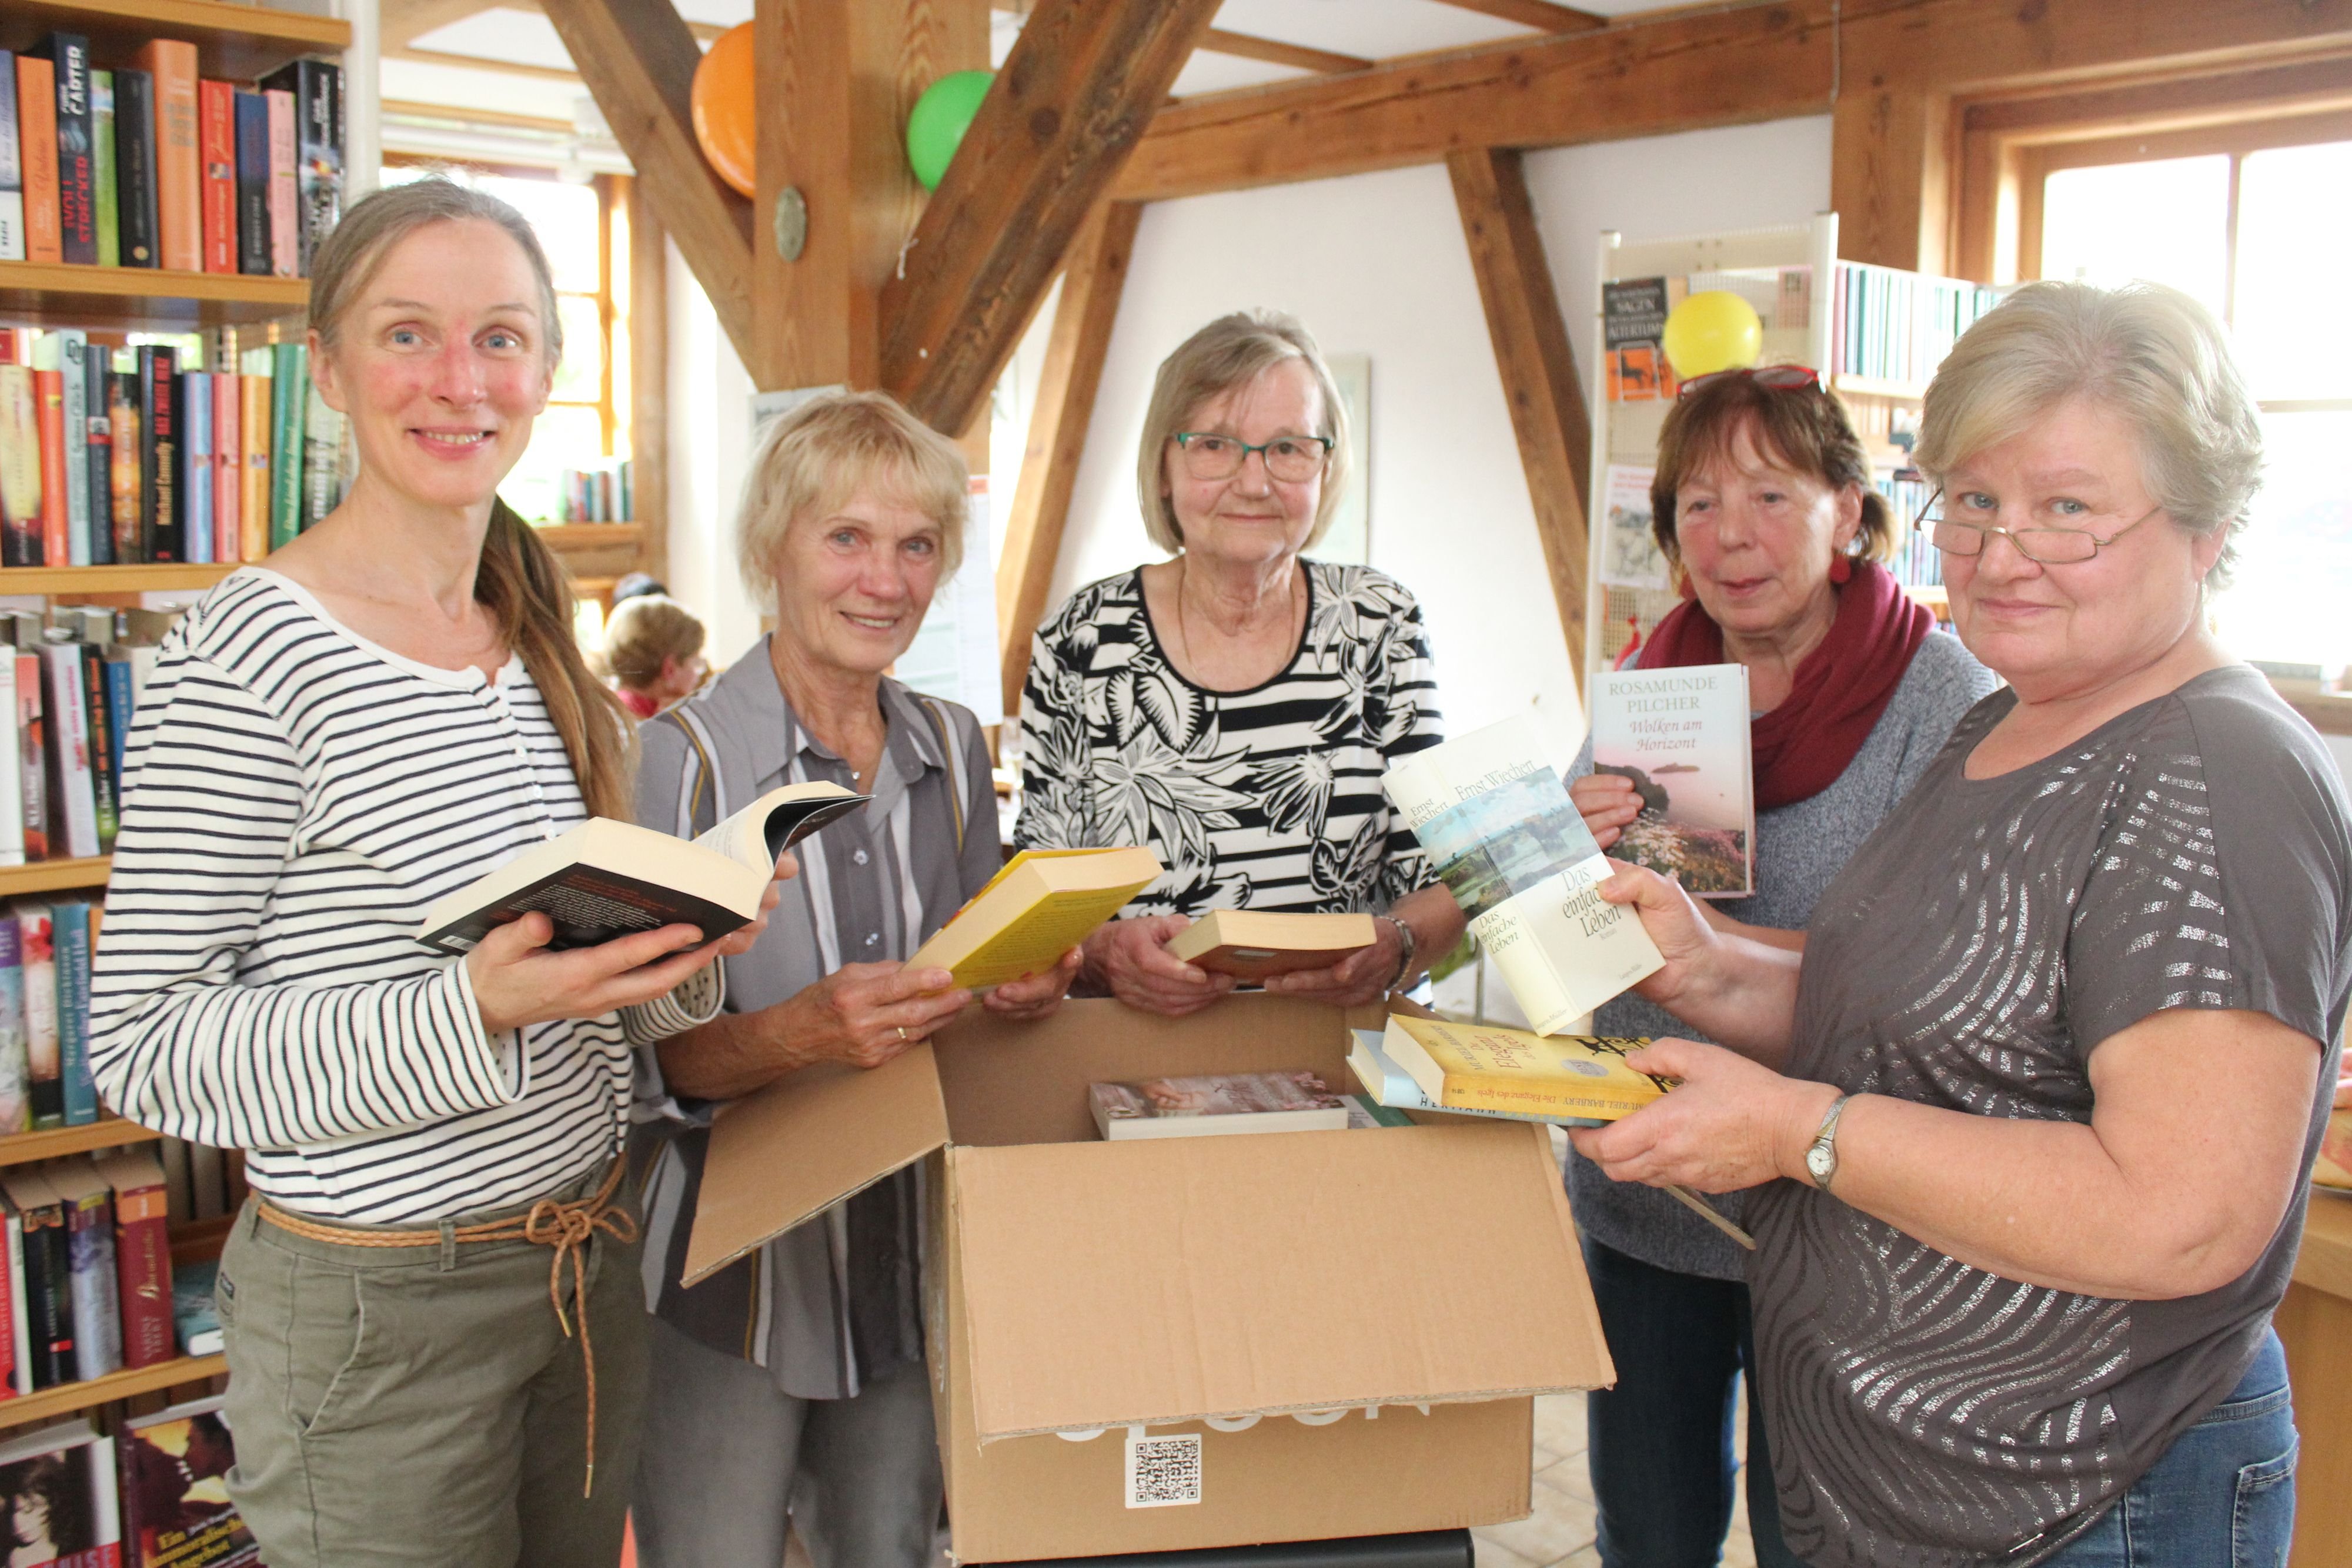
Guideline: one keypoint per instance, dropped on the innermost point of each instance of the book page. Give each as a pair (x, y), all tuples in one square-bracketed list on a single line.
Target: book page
[(747, 836)]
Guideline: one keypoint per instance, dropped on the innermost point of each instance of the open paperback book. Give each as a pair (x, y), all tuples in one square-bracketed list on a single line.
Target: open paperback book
[(605, 879), (1680, 737), (1497, 823)]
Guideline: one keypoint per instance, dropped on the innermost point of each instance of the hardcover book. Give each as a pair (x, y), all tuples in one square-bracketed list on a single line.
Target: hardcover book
[(1216, 1103), (135, 212), (126, 486), (159, 452), (605, 879), (73, 370), (32, 771), (289, 391), (20, 468), (1680, 737), (196, 412), (98, 450), (143, 1254), (178, 166), (253, 240), (48, 1297), (16, 1066), (101, 154), (77, 175), (176, 1512), (285, 224), (316, 87), (1253, 944), (1509, 842), (71, 938), (36, 152), (90, 1262), (217, 161), (1042, 904), (12, 166)]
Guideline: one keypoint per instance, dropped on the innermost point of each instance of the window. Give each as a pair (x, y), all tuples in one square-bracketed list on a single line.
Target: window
[(2250, 219), (584, 232)]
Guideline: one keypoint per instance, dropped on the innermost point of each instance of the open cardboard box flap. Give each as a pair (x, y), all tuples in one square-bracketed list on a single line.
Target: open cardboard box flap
[(804, 1144), (1172, 1279)]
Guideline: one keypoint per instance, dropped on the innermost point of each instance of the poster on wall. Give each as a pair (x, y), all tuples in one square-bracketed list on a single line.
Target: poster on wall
[(1630, 557), (954, 655), (1350, 539)]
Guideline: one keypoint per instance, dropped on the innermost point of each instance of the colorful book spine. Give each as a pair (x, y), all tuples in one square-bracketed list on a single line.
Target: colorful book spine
[(44, 1067), (134, 167), (16, 1067), (285, 222), (288, 386), (322, 459), (216, 153), (73, 371), (49, 389), (77, 178), (106, 777), (106, 210), (12, 786), (123, 480), (20, 468), (18, 1326), (69, 762), (142, 1256), (318, 90), (47, 1278), (159, 452), (253, 239), (90, 1275), (228, 464), (70, 929), (12, 166), (196, 465), (36, 149), (98, 444), (179, 173), (32, 761), (122, 701), (253, 422)]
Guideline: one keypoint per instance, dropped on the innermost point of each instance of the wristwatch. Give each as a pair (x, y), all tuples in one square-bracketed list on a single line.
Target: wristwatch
[(1820, 1157), (1411, 945)]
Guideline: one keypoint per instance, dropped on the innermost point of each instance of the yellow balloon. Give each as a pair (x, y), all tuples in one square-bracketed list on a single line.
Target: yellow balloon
[(1714, 331)]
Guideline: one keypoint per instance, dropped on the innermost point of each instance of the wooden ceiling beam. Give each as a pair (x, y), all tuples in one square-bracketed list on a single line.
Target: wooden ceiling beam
[(403, 22), (637, 59), (1076, 347), (1070, 105), (1717, 67), (1275, 52), (1538, 366), (1538, 14)]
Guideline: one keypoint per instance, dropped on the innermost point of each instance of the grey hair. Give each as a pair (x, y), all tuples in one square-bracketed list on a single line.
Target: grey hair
[(1230, 351), (2148, 353), (347, 261)]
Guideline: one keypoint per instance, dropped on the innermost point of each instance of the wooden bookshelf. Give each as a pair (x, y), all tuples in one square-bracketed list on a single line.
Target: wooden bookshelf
[(65, 1398), (51, 877), (1872, 386), (56, 1142), (238, 42), (165, 577), (567, 537), (1935, 596), (145, 299)]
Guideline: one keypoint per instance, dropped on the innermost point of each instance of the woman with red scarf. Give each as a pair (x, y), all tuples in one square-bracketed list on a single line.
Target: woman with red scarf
[(1762, 502)]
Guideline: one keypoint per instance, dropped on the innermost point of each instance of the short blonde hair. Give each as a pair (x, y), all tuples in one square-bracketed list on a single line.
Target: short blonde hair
[(2150, 354), (646, 629), (814, 457), (1230, 351)]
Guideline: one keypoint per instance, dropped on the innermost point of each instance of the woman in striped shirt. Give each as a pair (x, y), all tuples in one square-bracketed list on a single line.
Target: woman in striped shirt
[(391, 708)]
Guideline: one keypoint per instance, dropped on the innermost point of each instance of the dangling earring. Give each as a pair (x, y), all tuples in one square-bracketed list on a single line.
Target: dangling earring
[(1685, 586), (1841, 568)]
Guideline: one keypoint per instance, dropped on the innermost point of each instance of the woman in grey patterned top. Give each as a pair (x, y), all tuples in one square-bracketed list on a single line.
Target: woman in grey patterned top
[(2029, 1113)]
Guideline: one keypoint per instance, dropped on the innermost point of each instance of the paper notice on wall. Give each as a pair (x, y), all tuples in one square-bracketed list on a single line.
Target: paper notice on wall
[(1630, 557), (955, 656)]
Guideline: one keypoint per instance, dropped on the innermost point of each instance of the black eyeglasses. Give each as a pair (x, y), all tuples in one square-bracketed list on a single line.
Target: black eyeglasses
[(1293, 459), (2050, 547), (1773, 377)]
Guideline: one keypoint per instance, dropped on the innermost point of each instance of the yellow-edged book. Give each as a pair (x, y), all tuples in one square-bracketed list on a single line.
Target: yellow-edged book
[(1042, 904), (1252, 943), (1482, 1067)]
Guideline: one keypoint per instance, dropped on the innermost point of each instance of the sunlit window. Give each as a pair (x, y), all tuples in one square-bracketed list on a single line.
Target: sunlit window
[(2252, 233), (585, 426)]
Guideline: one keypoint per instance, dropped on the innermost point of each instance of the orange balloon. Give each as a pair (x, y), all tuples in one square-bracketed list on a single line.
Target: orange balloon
[(724, 121)]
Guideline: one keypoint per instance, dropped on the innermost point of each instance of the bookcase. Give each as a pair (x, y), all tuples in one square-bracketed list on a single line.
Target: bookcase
[(1873, 334), (236, 41)]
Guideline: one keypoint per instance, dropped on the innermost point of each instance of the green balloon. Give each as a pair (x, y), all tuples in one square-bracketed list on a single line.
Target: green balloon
[(935, 129)]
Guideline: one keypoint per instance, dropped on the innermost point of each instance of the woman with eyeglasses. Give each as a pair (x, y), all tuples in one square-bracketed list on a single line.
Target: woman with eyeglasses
[(1763, 503), (2027, 1117), (1234, 707)]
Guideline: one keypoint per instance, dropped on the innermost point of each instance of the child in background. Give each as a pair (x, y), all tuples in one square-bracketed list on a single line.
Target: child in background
[(653, 645)]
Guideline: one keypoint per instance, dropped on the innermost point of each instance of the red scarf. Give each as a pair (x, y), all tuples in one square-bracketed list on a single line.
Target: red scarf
[(1840, 689)]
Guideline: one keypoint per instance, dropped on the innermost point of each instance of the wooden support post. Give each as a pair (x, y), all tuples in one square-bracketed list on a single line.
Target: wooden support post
[(1889, 175), (1538, 366), (1083, 319), (649, 373), (1071, 103), (637, 59)]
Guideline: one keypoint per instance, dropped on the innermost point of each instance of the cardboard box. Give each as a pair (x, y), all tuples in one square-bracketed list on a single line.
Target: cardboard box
[(1172, 1344)]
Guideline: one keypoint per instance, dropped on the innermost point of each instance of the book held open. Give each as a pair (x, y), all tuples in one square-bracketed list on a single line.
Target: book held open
[(606, 878)]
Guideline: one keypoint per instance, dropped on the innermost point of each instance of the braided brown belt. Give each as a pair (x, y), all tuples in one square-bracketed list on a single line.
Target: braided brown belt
[(566, 1226)]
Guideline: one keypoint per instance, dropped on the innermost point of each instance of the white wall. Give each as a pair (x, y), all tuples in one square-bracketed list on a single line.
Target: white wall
[(709, 442), (1376, 265)]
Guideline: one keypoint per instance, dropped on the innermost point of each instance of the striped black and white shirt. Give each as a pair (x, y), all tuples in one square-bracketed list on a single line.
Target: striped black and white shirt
[(297, 796), (1265, 799)]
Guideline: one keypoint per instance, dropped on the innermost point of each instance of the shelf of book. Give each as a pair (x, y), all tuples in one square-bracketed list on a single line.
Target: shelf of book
[(232, 40), (65, 1398), (141, 299), (51, 877), (158, 578), (56, 1142)]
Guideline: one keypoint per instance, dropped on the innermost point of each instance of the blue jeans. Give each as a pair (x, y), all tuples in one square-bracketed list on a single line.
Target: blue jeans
[(1659, 1444), (2223, 1494)]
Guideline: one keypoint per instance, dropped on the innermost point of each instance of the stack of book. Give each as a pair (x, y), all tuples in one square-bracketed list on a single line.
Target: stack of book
[(69, 687), (146, 164), (88, 1270), (118, 449)]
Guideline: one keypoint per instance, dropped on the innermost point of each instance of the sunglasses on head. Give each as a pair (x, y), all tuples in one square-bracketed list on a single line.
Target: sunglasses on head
[(1774, 378)]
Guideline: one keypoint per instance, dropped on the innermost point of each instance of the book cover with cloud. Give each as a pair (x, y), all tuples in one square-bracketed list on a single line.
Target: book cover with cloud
[(1680, 735)]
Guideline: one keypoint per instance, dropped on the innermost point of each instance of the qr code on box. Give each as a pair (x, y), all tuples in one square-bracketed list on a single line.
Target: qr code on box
[(1163, 1472)]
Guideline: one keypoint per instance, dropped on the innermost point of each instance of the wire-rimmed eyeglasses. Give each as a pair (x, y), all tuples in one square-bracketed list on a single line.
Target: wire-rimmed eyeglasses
[(2050, 547)]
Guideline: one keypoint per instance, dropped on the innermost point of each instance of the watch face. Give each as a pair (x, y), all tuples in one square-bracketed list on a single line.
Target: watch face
[(1820, 1161)]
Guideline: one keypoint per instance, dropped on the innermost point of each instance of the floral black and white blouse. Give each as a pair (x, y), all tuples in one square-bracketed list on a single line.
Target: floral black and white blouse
[(1265, 799)]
